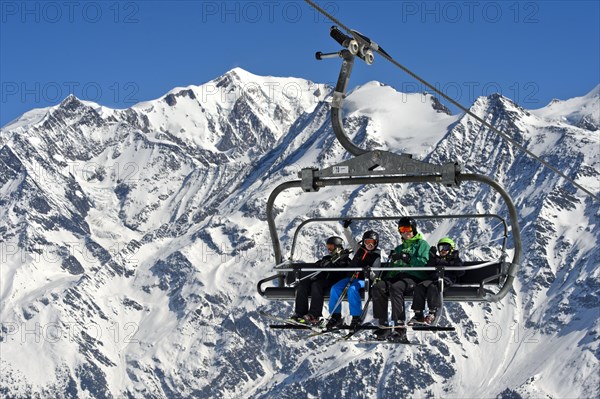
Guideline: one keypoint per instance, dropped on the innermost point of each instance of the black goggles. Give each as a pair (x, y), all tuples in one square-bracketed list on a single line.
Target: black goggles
[(444, 247)]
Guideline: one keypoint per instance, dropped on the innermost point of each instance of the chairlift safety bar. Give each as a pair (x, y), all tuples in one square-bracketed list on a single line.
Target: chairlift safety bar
[(382, 269)]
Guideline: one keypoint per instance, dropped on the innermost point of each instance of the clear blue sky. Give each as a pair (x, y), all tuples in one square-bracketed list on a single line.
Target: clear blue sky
[(118, 53)]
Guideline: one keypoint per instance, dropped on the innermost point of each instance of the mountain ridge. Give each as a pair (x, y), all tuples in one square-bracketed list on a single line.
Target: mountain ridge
[(131, 253)]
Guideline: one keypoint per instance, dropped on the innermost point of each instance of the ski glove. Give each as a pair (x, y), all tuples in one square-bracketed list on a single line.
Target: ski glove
[(432, 251), (339, 255), (404, 257), (347, 223), (394, 256)]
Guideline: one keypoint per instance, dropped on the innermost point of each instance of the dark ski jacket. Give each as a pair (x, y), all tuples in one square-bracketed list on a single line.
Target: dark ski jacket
[(452, 259), (341, 259), (364, 258)]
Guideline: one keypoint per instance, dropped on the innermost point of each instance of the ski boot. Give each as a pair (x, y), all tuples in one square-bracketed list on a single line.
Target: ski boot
[(335, 320), (355, 323), (382, 333)]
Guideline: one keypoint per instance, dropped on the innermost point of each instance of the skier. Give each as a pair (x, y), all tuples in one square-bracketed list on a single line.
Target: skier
[(317, 286), (367, 255), (413, 252), (429, 289)]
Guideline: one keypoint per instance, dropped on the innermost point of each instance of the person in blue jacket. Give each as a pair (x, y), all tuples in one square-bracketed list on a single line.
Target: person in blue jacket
[(367, 255)]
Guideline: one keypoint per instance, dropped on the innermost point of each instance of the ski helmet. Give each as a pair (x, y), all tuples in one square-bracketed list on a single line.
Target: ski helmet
[(371, 235), (445, 242), (408, 221), (336, 241)]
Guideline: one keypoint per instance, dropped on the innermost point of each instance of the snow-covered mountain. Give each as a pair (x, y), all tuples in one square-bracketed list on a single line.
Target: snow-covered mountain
[(583, 112), (132, 240)]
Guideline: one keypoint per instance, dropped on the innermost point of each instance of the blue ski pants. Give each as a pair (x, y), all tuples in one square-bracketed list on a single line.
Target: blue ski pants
[(353, 296)]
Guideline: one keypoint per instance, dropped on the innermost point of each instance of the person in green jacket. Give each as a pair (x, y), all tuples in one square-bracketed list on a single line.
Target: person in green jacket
[(413, 252)]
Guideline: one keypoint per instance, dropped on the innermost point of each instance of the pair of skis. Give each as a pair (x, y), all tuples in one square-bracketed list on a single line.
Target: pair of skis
[(378, 342), (290, 324), (403, 328)]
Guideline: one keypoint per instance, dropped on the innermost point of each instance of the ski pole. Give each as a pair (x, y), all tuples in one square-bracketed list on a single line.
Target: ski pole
[(368, 301), (368, 290), (341, 298), (438, 316), (296, 282), (333, 260)]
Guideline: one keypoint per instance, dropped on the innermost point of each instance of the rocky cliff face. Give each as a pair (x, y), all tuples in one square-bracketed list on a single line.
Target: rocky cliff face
[(132, 240)]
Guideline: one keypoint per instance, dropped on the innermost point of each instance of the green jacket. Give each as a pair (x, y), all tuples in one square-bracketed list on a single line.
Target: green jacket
[(418, 249)]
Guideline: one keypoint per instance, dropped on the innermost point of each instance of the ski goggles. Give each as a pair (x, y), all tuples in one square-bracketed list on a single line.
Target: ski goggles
[(444, 247), (405, 229), (370, 241)]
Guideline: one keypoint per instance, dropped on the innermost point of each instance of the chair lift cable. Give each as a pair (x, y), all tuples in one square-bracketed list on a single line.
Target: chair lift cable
[(385, 55)]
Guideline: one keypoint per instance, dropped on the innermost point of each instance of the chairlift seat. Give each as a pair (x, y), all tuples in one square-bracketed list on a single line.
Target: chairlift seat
[(468, 287)]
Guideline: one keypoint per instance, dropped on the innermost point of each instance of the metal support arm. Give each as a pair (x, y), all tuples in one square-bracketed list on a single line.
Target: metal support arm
[(381, 163)]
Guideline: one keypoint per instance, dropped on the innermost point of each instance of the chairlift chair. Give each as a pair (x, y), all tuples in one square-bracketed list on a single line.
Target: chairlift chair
[(379, 167)]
